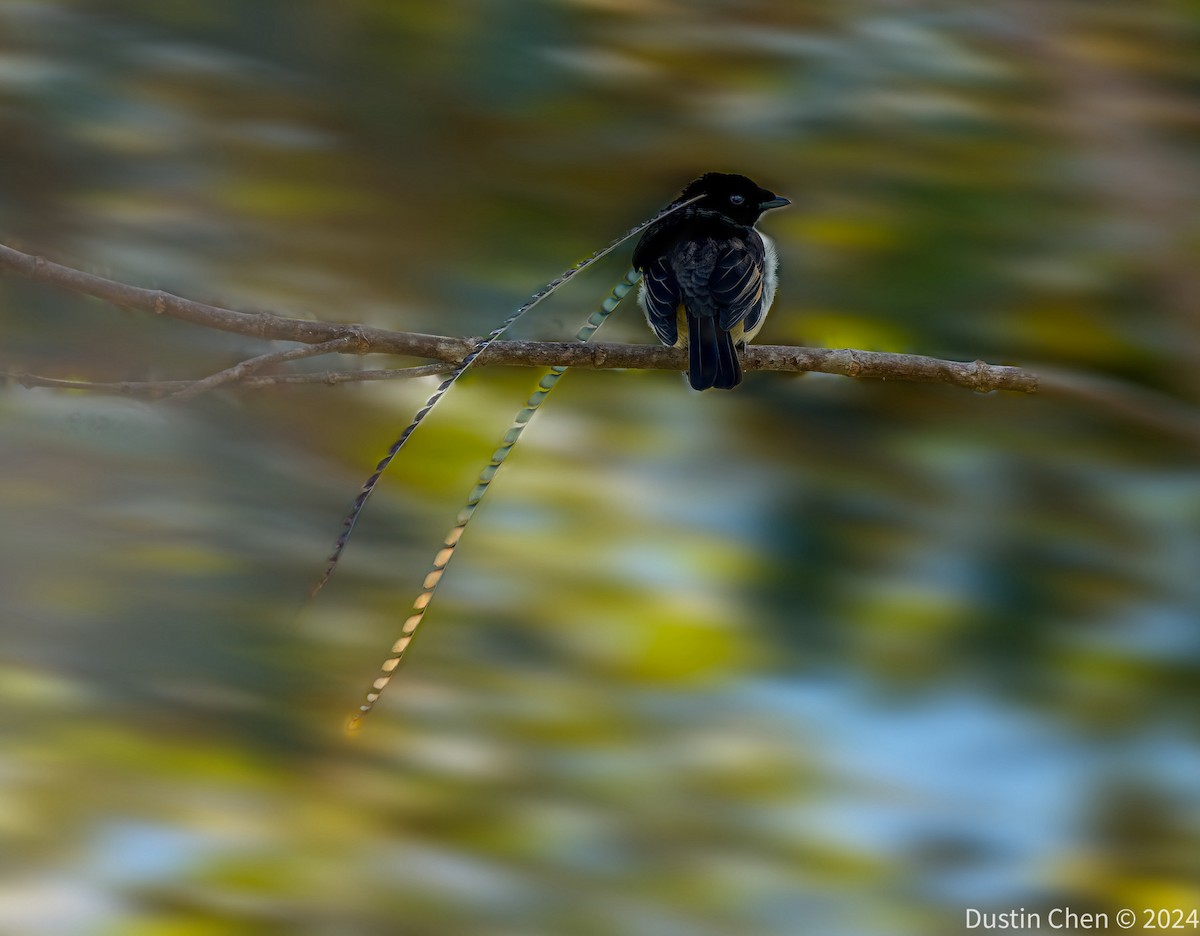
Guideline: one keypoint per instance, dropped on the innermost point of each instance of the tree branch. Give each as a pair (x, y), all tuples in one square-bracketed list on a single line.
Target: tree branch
[(328, 337), (1137, 404)]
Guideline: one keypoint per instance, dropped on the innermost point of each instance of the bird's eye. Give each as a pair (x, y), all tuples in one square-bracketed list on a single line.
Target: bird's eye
[(737, 199)]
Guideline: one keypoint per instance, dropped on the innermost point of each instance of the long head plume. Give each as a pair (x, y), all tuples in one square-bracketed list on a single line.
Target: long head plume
[(369, 485), (446, 553)]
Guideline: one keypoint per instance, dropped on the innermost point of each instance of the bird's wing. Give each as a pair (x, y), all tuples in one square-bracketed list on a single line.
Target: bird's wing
[(737, 281), (660, 298)]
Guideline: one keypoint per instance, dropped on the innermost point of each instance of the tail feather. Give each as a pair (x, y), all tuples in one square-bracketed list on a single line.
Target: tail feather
[(712, 359)]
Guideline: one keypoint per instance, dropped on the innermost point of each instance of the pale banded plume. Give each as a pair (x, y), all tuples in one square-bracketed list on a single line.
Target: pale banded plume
[(434, 577), (369, 485)]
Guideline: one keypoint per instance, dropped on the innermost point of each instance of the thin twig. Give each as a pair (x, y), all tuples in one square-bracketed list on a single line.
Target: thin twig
[(244, 369), (160, 388)]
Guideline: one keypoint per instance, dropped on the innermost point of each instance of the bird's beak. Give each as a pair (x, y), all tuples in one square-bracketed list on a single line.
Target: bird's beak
[(777, 202)]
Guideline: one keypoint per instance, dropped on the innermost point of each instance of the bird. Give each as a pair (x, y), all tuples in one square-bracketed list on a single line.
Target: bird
[(709, 275)]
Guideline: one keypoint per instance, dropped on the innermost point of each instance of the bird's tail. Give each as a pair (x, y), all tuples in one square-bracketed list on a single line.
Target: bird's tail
[(712, 358)]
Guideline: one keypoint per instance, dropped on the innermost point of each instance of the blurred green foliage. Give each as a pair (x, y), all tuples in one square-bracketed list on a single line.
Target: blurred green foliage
[(818, 656)]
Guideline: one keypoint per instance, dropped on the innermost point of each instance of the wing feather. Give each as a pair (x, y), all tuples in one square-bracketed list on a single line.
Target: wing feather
[(737, 282), (660, 297)]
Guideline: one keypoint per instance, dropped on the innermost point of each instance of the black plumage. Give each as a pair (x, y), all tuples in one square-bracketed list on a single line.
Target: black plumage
[(708, 275)]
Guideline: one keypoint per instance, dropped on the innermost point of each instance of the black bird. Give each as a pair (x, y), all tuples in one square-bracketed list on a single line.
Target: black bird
[(708, 275)]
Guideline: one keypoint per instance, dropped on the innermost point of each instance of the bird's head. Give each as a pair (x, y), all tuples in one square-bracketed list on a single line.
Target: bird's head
[(733, 196)]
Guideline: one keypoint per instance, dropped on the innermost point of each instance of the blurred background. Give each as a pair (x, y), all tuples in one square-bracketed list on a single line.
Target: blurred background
[(816, 656)]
